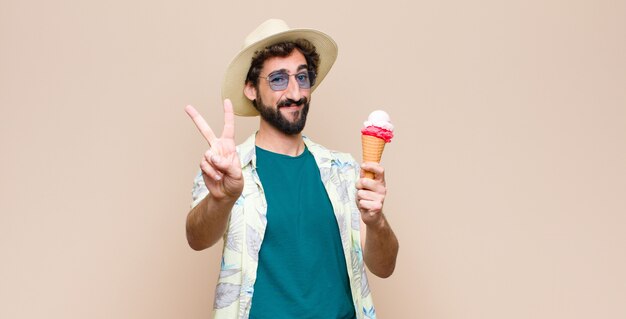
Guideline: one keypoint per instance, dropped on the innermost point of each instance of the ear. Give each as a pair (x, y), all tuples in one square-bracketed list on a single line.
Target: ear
[(250, 91)]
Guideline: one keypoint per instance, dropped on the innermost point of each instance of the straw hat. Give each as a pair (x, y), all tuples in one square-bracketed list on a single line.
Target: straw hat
[(270, 32)]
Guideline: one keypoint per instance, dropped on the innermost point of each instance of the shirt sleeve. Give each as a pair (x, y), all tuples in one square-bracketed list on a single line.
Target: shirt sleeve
[(357, 170), (357, 167), (199, 190)]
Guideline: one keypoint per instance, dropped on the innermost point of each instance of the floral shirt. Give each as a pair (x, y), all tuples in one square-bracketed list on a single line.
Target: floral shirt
[(246, 227)]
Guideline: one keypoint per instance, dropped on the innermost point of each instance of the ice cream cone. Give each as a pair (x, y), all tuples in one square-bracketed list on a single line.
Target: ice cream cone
[(372, 150)]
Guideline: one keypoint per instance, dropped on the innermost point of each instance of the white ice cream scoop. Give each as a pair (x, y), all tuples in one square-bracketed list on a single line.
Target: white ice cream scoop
[(379, 118)]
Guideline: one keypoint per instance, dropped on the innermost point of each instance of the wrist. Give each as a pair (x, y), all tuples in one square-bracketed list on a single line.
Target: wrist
[(377, 225), (223, 199)]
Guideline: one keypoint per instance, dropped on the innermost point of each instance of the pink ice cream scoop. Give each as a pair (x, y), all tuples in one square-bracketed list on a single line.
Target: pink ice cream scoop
[(379, 125)]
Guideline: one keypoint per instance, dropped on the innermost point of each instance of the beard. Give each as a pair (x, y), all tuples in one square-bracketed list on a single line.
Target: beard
[(276, 119)]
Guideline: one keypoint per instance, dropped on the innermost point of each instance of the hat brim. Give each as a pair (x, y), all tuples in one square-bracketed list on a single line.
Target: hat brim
[(235, 78)]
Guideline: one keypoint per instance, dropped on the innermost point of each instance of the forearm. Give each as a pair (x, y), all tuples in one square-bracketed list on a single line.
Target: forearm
[(381, 249), (207, 222)]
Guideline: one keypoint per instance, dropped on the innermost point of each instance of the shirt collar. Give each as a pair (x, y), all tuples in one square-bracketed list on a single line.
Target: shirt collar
[(247, 152)]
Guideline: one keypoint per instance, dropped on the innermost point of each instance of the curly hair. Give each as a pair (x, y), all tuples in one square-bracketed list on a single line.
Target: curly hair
[(282, 49)]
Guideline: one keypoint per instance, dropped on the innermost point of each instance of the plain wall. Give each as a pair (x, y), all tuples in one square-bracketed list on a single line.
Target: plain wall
[(507, 175)]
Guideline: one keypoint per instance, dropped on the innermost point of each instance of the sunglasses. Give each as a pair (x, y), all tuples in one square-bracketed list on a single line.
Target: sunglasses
[(279, 80)]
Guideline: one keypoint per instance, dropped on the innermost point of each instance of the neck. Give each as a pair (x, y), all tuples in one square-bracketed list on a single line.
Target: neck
[(271, 139)]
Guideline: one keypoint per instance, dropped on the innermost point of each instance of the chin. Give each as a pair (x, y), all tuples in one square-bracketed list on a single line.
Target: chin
[(292, 115)]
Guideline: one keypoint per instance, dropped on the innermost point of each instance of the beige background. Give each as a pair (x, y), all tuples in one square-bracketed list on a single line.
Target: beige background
[(507, 176)]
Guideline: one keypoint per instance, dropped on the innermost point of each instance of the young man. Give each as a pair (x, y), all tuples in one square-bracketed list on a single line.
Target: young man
[(298, 221)]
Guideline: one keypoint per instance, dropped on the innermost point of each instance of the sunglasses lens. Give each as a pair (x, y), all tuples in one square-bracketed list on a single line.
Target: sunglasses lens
[(278, 81), (303, 80)]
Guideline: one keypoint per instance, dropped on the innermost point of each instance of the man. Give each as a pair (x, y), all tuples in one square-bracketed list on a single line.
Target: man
[(297, 221)]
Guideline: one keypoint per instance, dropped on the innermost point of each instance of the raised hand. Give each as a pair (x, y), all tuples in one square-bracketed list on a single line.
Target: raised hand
[(221, 169)]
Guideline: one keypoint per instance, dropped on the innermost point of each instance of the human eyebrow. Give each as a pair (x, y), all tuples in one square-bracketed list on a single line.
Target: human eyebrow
[(277, 71), (303, 66)]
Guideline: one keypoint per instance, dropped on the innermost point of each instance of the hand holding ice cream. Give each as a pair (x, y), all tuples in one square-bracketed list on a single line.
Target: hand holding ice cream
[(377, 131)]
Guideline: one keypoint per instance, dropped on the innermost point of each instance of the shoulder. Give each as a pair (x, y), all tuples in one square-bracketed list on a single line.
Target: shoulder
[(246, 151)]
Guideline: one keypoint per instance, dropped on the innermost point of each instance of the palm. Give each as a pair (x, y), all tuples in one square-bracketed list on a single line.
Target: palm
[(221, 168)]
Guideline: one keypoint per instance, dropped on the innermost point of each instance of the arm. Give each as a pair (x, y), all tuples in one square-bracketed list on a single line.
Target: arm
[(221, 172), (207, 222), (380, 245)]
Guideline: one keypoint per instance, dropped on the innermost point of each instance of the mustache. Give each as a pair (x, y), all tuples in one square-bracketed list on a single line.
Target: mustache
[(290, 102)]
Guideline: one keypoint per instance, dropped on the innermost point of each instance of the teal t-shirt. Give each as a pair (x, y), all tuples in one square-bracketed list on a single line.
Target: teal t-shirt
[(302, 269)]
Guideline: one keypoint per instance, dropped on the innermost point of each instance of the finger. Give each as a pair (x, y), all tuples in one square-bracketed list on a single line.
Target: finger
[(229, 120), (228, 165), (376, 168), (362, 173), (213, 155), (370, 206), (365, 194), (370, 196), (369, 184), (209, 171), (201, 124)]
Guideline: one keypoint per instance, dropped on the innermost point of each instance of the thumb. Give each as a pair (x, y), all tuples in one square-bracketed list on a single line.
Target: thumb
[(228, 165)]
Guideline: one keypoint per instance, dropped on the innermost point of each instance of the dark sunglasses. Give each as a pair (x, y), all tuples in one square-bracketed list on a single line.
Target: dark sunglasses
[(279, 80)]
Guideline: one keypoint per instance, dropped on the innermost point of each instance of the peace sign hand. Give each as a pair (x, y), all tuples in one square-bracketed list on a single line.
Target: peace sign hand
[(221, 169)]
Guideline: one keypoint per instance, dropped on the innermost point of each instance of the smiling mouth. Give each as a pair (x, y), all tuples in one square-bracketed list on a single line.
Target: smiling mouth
[(291, 106)]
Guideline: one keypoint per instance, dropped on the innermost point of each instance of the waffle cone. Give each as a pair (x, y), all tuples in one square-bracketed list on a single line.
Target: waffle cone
[(372, 150)]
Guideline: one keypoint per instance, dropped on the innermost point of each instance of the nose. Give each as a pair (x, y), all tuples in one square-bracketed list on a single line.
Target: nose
[(293, 89)]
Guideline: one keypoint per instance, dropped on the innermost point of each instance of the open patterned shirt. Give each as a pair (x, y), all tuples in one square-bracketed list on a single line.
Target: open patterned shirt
[(246, 227)]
